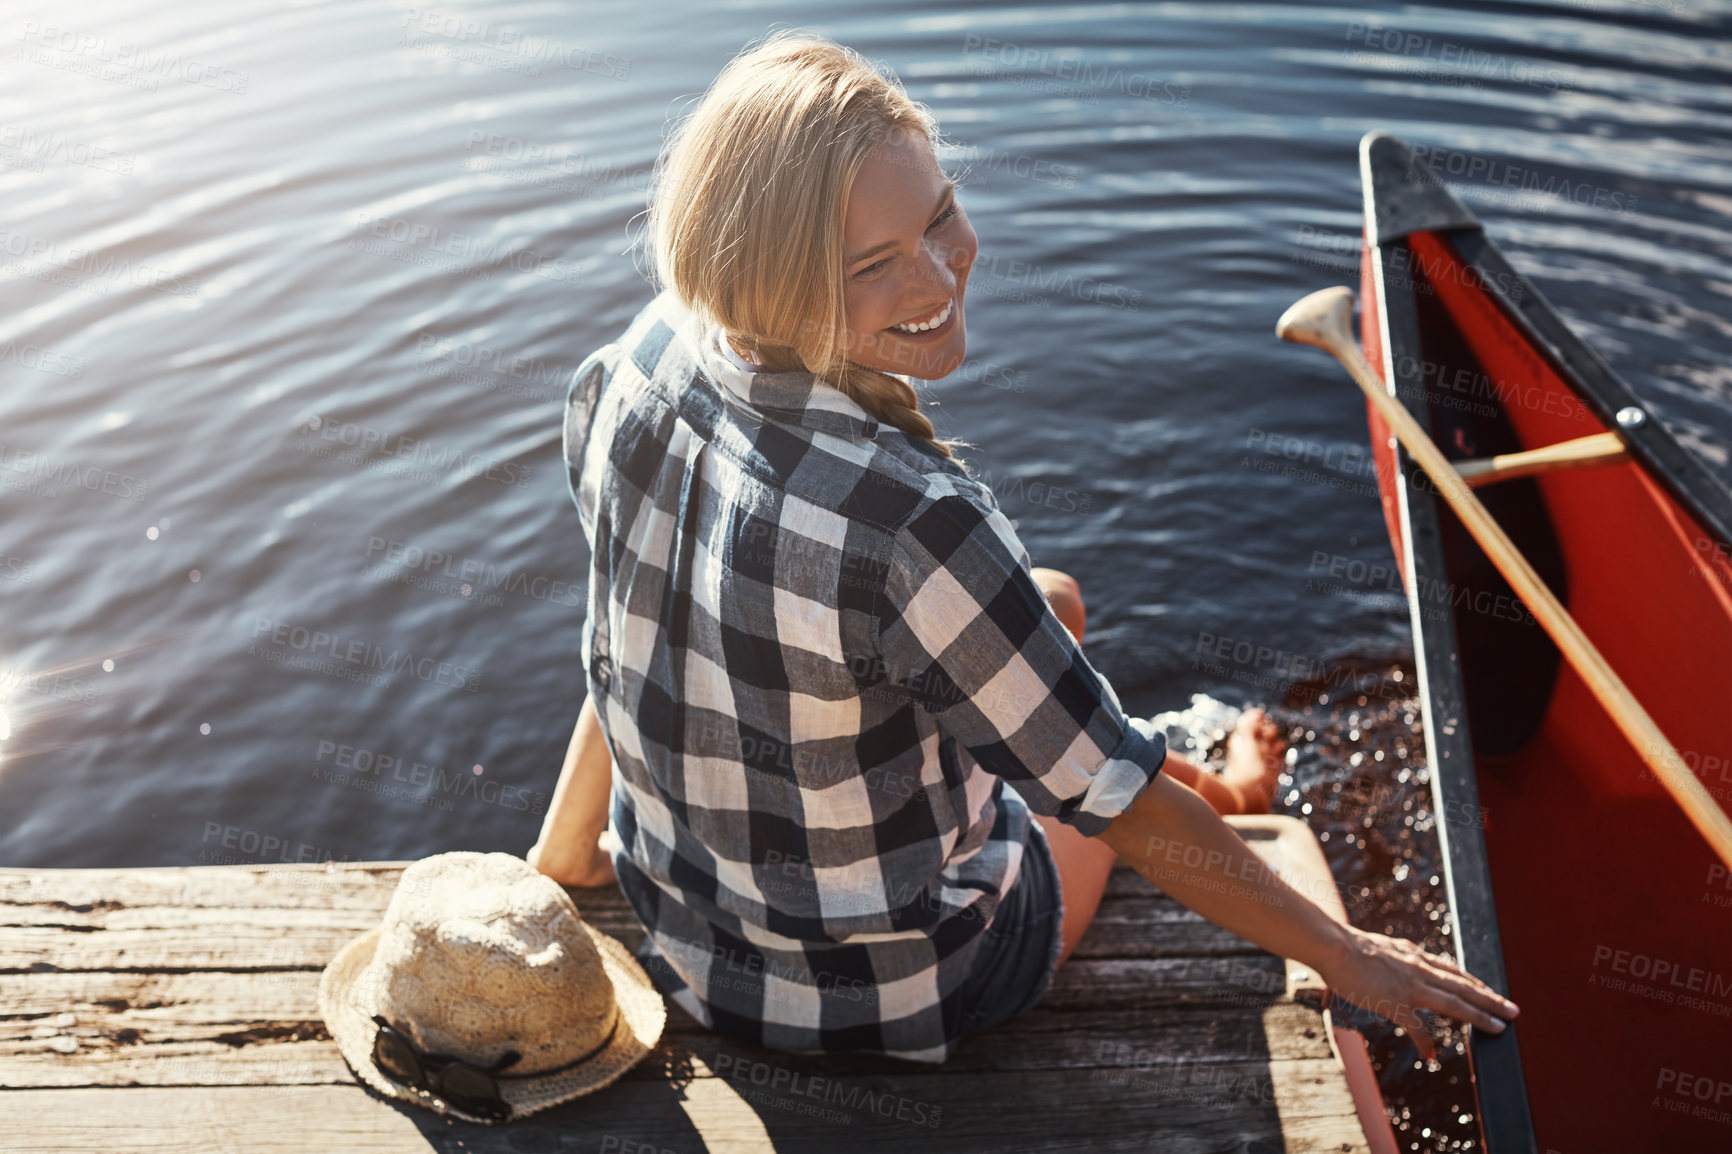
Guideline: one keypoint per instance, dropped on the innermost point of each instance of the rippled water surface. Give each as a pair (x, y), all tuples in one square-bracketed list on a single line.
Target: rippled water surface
[(289, 298)]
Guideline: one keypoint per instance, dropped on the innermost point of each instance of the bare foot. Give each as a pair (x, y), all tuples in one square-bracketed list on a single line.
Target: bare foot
[(1256, 752)]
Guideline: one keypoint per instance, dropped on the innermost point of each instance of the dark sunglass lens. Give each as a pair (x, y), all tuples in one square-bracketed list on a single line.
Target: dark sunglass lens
[(467, 1082), (393, 1055), (481, 1107)]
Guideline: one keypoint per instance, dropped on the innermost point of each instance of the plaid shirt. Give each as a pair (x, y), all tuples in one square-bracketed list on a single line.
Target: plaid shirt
[(808, 635)]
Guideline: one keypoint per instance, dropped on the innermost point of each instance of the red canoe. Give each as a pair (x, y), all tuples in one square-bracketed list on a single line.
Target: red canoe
[(1577, 884)]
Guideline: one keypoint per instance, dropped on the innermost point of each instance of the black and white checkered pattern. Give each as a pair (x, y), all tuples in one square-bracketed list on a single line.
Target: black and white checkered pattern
[(808, 636)]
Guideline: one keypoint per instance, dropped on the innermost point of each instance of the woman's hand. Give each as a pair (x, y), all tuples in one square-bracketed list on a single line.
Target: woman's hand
[(1396, 979), (571, 866)]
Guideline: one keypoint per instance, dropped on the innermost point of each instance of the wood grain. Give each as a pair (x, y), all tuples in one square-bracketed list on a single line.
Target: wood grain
[(176, 1010)]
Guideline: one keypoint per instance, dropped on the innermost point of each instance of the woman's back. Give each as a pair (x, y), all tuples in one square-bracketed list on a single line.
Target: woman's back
[(805, 630)]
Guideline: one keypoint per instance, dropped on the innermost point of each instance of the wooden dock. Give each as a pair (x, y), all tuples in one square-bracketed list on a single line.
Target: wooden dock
[(175, 1009)]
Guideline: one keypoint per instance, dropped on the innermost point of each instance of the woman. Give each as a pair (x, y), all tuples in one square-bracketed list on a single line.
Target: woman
[(865, 789)]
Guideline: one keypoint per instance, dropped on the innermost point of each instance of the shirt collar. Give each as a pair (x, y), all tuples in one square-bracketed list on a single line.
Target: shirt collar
[(797, 398)]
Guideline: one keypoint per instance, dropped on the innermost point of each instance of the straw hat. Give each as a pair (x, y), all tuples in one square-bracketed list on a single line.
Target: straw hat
[(480, 954)]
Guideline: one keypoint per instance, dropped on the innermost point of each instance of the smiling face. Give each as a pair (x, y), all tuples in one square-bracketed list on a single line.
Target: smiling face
[(907, 248)]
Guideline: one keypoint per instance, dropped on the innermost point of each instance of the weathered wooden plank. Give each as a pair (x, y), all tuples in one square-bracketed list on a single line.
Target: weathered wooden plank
[(367, 885), (1125, 882), (1155, 927), (167, 1003), (162, 938), (349, 898), (337, 885), (85, 919), (352, 885), (1139, 1055), (263, 1028), (239, 937), (355, 885), (1240, 1109), (1121, 984)]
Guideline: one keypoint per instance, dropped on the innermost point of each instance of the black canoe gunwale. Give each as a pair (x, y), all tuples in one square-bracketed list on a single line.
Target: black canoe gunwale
[(1506, 1124)]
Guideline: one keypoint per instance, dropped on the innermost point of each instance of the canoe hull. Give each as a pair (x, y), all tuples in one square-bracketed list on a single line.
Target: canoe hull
[(1576, 879)]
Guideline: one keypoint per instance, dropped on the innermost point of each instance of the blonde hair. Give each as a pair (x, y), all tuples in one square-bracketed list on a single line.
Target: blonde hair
[(749, 199)]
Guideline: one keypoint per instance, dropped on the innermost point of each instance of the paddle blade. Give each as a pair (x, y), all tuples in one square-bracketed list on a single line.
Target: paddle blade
[(1324, 319)]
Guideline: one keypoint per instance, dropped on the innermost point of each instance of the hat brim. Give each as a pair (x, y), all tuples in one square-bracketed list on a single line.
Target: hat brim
[(346, 1001)]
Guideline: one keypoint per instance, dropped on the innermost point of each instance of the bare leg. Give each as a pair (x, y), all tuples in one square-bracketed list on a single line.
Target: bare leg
[(1065, 597), (1254, 757), (1083, 862)]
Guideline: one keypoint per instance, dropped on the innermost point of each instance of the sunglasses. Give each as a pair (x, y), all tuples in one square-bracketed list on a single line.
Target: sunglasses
[(472, 1089)]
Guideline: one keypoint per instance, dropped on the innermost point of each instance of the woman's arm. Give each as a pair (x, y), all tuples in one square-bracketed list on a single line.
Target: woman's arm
[(1175, 840), (569, 849)]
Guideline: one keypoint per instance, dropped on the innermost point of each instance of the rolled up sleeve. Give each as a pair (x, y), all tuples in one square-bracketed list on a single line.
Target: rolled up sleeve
[(964, 628)]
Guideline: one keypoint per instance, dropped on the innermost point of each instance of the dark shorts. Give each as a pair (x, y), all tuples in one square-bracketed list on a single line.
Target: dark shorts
[(1019, 951)]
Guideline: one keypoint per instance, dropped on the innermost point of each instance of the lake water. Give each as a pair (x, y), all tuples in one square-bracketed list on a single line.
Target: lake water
[(290, 296)]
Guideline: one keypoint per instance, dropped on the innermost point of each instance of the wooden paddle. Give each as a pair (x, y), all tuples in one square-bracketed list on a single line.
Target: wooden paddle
[(1325, 319)]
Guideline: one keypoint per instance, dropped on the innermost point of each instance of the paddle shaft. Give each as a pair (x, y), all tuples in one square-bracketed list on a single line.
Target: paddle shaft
[(1707, 816)]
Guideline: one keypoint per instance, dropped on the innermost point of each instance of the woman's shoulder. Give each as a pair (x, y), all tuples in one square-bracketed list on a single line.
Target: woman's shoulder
[(901, 478)]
